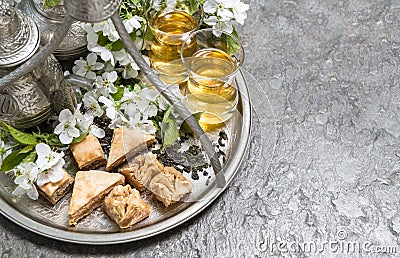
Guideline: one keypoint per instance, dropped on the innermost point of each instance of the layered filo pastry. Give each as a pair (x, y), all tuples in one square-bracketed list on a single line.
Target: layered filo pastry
[(141, 170), (88, 153), (170, 186), (53, 192), (125, 206), (126, 143), (89, 191)]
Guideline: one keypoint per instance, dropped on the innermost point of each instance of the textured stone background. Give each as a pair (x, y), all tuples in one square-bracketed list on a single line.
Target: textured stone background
[(331, 71)]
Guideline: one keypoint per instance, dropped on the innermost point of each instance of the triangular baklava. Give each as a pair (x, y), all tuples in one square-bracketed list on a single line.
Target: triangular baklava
[(90, 188), (126, 143)]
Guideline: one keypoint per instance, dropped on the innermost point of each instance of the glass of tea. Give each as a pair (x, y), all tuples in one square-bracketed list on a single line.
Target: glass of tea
[(212, 59), (170, 24)]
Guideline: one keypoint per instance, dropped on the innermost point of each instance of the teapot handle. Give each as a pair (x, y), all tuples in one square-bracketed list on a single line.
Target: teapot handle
[(68, 93)]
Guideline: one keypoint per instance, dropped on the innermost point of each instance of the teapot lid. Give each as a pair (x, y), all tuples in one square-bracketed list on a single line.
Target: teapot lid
[(19, 36)]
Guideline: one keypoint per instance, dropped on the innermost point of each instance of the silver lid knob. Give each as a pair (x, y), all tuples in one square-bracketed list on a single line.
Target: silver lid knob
[(19, 36)]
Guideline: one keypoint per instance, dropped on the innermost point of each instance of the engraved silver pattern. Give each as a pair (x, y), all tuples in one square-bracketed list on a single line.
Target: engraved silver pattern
[(73, 45), (24, 103), (21, 43), (92, 10)]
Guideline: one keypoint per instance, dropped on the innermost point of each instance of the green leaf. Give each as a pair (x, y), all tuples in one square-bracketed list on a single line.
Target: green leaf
[(166, 115), (50, 139), (50, 3), (102, 40), (21, 137), (193, 6), (148, 35), (117, 45), (80, 138), (170, 132), (12, 160), (31, 157), (232, 45), (169, 128), (27, 149), (119, 94)]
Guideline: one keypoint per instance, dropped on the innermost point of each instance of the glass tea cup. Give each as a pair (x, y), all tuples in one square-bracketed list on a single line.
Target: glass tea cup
[(170, 24), (212, 66)]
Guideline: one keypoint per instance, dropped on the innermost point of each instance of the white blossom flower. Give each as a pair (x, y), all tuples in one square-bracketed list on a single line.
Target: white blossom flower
[(133, 23), (129, 96), (227, 9), (219, 26), (99, 89), (26, 175), (133, 113), (107, 28), (109, 103), (83, 121), (46, 158), (66, 129), (104, 53), (91, 104), (91, 35), (130, 69), (87, 67), (222, 12), (96, 131), (146, 103), (129, 72), (107, 80), (50, 164), (149, 94), (124, 58), (239, 12)]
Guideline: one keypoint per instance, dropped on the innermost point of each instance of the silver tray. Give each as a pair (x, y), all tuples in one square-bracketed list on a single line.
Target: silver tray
[(97, 229)]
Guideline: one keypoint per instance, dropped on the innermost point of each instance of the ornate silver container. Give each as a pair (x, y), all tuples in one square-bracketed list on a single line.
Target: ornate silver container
[(48, 20), (27, 101)]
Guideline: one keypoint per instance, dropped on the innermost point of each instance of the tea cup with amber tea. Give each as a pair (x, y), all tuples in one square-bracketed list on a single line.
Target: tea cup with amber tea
[(211, 88), (171, 23)]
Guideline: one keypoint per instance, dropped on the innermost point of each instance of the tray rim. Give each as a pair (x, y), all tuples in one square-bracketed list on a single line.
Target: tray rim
[(181, 217)]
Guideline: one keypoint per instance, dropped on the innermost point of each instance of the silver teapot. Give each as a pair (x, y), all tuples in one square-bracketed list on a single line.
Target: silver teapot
[(48, 20), (33, 98)]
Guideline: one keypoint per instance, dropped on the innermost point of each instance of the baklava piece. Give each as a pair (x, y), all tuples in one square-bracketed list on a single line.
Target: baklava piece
[(89, 191), (126, 143), (53, 192), (170, 186), (88, 153), (125, 206), (141, 170)]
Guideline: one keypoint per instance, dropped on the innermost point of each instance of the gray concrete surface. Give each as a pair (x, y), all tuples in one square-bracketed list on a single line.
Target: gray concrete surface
[(331, 71)]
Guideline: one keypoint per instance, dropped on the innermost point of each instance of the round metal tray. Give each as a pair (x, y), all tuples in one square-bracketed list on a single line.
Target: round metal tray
[(97, 229)]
